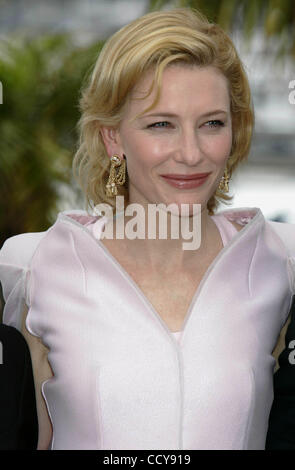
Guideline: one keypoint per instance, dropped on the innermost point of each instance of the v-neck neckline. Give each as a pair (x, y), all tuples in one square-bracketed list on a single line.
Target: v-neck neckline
[(240, 234)]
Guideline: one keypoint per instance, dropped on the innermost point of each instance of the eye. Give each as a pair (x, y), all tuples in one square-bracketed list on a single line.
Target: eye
[(159, 124), (215, 123)]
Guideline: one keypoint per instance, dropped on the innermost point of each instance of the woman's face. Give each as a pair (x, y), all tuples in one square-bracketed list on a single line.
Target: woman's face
[(189, 132)]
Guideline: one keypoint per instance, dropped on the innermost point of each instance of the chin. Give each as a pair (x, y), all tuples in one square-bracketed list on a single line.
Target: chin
[(190, 208)]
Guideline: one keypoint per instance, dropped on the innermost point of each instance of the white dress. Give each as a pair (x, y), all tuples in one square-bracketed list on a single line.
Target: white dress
[(121, 379)]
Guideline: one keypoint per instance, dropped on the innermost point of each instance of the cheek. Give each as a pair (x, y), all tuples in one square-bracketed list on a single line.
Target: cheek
[(219, 146), (144, 152)]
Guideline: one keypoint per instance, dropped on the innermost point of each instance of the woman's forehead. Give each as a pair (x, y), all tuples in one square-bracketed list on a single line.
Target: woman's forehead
[(180, 81)]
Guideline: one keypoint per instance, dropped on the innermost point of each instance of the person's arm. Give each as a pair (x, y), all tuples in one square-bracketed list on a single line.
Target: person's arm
[(281, 428), (18, 414), (42, 372)]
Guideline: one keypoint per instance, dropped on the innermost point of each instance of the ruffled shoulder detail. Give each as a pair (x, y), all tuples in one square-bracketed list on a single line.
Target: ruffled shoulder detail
[(286, 233), (15, 257)]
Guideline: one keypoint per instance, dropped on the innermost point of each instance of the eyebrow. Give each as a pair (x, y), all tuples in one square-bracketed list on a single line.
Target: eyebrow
[(164, 114)]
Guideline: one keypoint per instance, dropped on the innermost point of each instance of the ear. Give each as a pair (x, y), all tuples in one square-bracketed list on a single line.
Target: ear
[(110, 137)]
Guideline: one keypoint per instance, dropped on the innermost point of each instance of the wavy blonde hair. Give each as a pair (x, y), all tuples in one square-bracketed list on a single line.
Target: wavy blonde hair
[(154, 41)]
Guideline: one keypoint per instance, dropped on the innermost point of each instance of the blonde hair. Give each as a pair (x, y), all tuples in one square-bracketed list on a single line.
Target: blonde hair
[(155, 40)]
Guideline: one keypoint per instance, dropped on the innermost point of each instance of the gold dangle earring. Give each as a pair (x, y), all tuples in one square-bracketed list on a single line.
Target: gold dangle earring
[(116, 177), (223, 185)]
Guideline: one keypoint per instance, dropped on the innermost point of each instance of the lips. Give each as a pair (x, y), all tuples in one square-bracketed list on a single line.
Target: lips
[(186, 181), (186, 177)]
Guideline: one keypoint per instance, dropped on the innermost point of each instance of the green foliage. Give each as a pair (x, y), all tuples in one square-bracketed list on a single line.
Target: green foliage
[(276, 17), (41, 80)]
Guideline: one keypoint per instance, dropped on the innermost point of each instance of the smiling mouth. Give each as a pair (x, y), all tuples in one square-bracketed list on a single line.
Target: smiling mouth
[(186, 181), (195, 176)]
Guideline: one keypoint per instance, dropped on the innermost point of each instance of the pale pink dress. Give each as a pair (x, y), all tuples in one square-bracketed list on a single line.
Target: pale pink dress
[(121, 379)]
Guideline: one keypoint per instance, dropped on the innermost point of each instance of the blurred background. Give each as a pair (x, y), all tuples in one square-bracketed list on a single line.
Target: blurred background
[(47, 48)]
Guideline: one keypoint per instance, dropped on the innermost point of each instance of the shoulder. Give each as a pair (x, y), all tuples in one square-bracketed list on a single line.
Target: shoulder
[(286, 232), (241, 216), (18, 250), (15, 256)]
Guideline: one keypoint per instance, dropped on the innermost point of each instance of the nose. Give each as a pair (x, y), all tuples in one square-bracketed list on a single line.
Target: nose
[(188, 148)]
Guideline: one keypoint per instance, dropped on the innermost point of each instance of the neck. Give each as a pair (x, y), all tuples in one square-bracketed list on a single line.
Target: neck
[(165, 241)]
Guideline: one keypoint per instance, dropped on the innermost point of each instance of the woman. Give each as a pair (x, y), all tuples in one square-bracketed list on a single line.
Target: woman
[(138, 343)]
